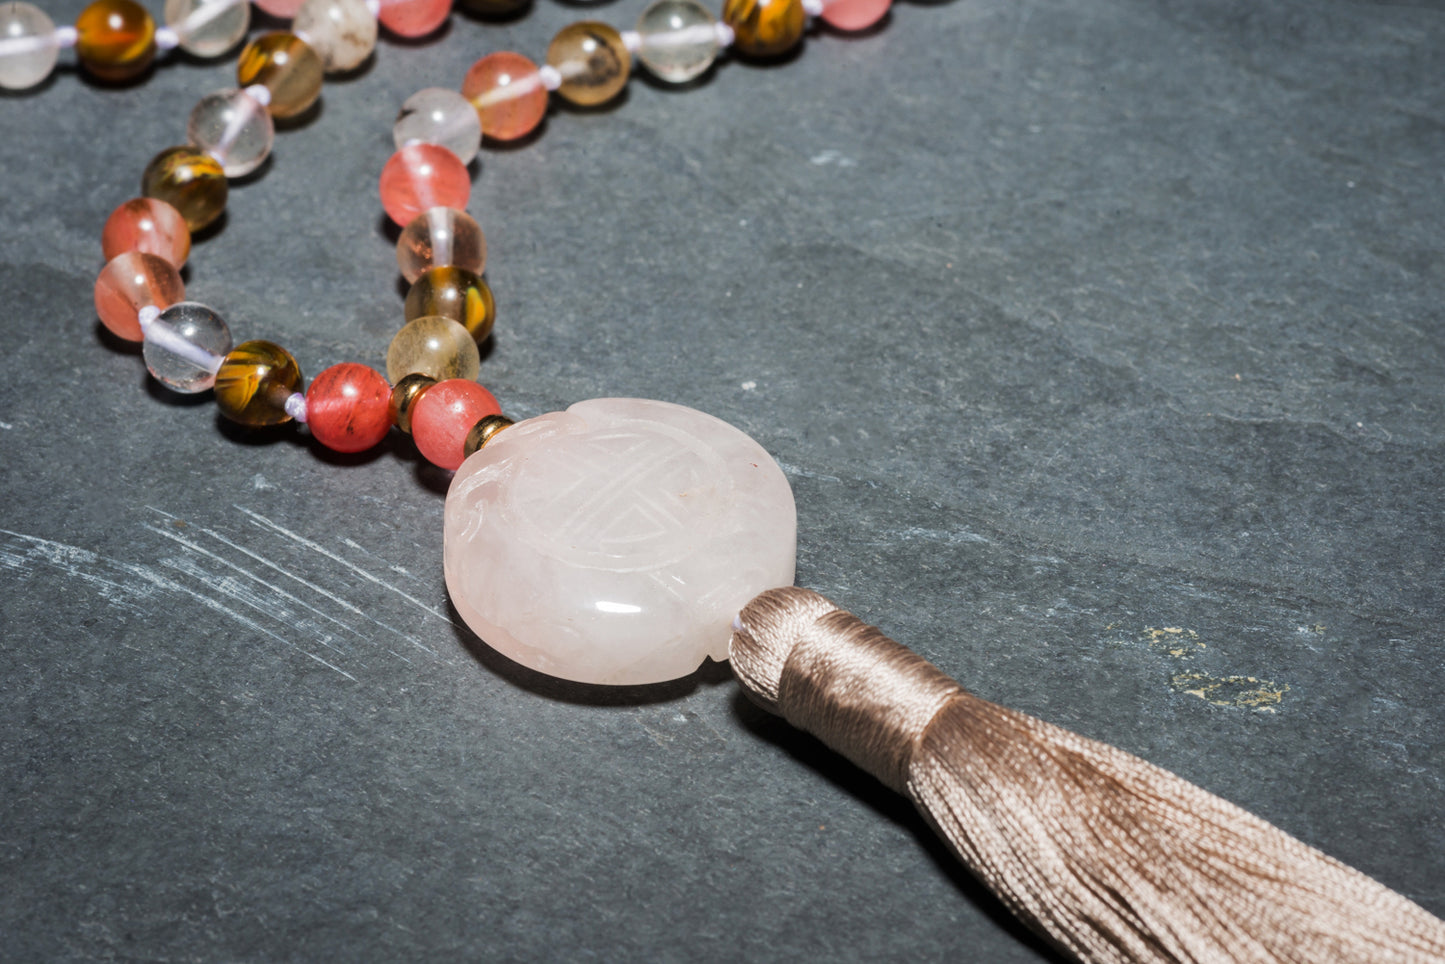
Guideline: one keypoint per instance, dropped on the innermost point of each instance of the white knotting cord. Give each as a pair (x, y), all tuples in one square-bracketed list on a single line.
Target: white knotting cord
[(296, 406), (167, 38), (551, 77), (632, 40), (725, 35), (260, 93), (66, 37)]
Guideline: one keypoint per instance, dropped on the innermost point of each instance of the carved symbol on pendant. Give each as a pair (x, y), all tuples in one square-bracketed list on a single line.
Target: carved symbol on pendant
[(637, 493)]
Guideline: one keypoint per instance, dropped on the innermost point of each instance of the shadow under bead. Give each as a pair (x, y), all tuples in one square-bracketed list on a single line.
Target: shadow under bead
[(189, 181), (765, 28), (254, 382)]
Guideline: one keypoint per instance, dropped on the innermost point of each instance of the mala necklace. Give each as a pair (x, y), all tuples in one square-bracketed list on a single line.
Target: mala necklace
[(1108, 857)]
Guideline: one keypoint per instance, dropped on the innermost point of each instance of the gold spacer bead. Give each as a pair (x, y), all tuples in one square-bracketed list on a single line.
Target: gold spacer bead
[(483, 432), (404, 397)]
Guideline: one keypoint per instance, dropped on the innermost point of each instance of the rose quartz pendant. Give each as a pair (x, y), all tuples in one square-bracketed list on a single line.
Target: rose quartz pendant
[(615, 541)]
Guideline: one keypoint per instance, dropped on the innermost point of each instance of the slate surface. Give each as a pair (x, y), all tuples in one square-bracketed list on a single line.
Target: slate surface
[(1101, 342)]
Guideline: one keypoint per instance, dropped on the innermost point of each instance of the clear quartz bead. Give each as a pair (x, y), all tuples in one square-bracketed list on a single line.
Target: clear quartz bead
[(208, 28), (184, 346), (442, 117), (343, 32), (679, 40), (28, 45), (234, 128)]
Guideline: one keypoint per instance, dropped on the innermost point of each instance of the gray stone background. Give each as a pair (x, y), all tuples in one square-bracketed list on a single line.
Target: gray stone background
[(1101, 342)]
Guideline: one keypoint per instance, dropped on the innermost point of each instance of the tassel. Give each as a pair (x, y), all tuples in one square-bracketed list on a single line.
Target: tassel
[(1109, 857)]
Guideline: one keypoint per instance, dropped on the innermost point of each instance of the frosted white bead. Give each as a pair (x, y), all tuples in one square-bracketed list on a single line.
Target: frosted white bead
[(208, 28), (28, 45), (614, 542)]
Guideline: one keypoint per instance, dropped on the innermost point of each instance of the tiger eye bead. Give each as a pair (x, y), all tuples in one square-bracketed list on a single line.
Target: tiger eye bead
[(116, 39), (592, 60), (454, 293), (433, 346), (764, 28), (254, 382), (189, 181), (404, 398), (286, 66)]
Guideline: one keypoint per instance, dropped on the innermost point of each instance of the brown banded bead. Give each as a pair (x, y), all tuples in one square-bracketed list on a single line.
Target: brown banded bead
[(189, 181), (254, 381), (454, 293)]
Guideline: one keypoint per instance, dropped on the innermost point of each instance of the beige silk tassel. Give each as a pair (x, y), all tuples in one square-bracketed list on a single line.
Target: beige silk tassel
[(1109, 857)]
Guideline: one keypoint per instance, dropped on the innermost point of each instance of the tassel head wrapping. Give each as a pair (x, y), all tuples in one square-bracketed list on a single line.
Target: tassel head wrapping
[(1111, 858)]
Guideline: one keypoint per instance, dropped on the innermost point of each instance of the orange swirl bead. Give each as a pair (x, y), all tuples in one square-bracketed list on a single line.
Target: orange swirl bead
[(115, 39)]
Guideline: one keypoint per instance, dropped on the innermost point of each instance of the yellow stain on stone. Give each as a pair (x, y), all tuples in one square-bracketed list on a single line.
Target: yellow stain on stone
[(1244, 692), (1173, 641)]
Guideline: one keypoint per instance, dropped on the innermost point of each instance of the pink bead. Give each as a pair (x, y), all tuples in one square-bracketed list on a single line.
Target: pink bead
[(507, 91), (130, 282), (285, 9), (413, 18), (420, 177), (150, 225), (347, 407), (854, 14), (444, 415)]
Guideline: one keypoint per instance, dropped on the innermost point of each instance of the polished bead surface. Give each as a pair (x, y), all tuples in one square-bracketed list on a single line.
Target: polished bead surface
[(208, 28), (423, 176), (232, 127), (130, 282), (765, 28), (185, 345), (433, 346), (28, 48), (444, 415), (453, 293), (854, 14), (483, 432), (592, 60), (146, 224), (679, 40), (342, 32), (507, 91), (413, 18), (404, 398), (347, 407), (254, 381), (189, 181), (441, 237), (116, 39), (615, 541), (441, 117), (281, 9), (286, 66)]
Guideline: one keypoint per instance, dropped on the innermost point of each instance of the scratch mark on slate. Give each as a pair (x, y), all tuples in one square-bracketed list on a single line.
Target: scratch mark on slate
[(319, 590), (316, 547)]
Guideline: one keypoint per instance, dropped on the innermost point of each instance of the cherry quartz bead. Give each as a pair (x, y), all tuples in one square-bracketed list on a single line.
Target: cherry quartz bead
[(508, 93), (150, 225), (854, 14), (130, 282), (444, 414), (420, 177), (347, 407), (281, 9), (413, 18)]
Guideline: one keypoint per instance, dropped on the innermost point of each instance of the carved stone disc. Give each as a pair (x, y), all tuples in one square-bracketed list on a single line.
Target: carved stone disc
[(615, 541)]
